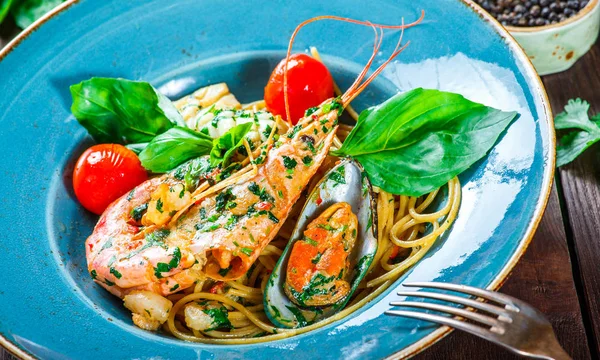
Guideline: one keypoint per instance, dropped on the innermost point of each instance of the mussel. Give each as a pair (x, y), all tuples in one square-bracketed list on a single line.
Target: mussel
[(329, 252)]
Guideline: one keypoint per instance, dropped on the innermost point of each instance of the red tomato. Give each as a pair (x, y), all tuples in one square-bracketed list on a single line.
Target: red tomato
[(104, 173), (309, 84)]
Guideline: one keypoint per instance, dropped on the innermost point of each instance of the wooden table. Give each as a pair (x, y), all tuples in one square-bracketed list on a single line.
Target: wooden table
[(560, 273)]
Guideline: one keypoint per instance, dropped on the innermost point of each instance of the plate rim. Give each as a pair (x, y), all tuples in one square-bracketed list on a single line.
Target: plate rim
[(542, 202)]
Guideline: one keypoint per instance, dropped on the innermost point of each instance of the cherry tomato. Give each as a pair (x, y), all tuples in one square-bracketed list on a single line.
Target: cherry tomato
[(309, 84), (104, 173)]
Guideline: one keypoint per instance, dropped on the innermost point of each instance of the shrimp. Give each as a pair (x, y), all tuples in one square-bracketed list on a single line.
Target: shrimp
[(321, 255), (219, 229)]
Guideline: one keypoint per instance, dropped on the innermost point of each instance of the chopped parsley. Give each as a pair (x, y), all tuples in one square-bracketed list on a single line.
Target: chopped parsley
[(94, 274), (311, 111), (220, 318), (224, 272), (326, 227), (138, 211), (246, 251), (307, 160), (115, 272), (230, 224), (338, 176), (159, 205), (223, 200), (325, 129), (298, 315), (317, 258), (289, 163), (166, 267), (261, 193), (174, 287), (267, 131), (280, 193), (108, 282), (310, 241), (294, 131), (311, 147), (335, 104)]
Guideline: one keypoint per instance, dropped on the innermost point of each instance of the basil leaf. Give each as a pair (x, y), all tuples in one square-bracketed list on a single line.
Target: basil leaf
[(417, 141), (585, 133), (27, 11), (137, 148), (122, 111), (174, 147), (4, 8), (225, 146)]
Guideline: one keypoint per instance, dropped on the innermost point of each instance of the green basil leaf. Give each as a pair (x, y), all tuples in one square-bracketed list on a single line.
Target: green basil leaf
[(122, 111), (584, 132), (27, 11), (137, 148), (174, 147), (225, 146), (417, 141), (4, 8)]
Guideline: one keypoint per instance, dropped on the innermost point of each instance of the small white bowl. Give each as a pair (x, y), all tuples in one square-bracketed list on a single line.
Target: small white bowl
[(555, 48)]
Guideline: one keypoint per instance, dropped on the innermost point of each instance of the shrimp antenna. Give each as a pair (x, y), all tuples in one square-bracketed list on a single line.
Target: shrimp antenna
[(351, 93), (355, 89)]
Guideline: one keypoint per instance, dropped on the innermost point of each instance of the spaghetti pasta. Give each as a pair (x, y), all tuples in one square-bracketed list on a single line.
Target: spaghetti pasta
[(406, 233)]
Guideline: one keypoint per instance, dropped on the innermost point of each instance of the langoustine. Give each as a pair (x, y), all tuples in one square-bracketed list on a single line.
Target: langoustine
[(221, 234)]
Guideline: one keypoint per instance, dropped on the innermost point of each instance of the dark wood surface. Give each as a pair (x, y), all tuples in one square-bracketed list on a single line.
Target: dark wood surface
[(560, 272)]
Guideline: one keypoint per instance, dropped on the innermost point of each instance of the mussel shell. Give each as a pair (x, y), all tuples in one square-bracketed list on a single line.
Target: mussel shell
[(357, 192)]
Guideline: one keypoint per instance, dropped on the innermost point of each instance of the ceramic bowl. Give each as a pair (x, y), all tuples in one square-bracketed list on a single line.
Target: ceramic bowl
[(49, 306), (555, 48)]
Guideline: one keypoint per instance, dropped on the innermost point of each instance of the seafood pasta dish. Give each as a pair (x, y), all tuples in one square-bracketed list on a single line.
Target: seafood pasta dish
[(227, 223)]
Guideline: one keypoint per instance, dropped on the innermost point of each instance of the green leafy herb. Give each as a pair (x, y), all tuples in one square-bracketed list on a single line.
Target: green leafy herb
[(159, 205), (307, 160), (230, 224), (583, 131), (4, 8), (137, 148), (166, 267), (289, 163), (175, 146), (223, 198), (224, 272), (116, 273), (317, 258), (122, 111), (338, 176), (294, 131), (246, 251), (94, 274), (310, 111), (174, 287), (298, 315), (310, 241), (335, 104), (220, 318), (26, 12), (225, 146), (192, 171), (417, 141)]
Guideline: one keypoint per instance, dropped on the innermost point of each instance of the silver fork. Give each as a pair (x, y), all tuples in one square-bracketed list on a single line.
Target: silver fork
[(514, 324)]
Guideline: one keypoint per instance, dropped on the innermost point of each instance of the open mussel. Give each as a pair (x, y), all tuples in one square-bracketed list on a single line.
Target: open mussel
[(329, 253)]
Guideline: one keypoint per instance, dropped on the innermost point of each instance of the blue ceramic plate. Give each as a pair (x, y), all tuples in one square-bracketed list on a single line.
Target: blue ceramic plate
[(49, 307)]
